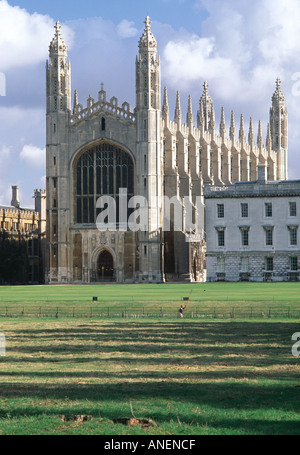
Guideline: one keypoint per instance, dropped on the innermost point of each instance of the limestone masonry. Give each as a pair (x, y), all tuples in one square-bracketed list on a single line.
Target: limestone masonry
[(98, 148)]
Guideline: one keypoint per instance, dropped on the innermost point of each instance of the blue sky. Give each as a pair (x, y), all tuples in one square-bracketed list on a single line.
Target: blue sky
[(179, 13), (239, 47)]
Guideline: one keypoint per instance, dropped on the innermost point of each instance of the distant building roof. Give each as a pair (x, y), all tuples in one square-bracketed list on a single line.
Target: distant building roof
[(22, 209), (280, 188)]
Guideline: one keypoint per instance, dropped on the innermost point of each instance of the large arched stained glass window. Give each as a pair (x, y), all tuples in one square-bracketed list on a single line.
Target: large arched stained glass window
[(102, 170)]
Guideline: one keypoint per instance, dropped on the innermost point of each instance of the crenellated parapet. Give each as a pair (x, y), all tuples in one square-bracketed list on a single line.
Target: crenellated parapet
[(101, 106), (18, 220)]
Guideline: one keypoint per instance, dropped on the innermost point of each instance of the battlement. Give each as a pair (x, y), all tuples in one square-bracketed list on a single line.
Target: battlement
[(12, 212), (101, 106)]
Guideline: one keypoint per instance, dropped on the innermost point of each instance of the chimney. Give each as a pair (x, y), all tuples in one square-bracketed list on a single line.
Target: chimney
[(262, 173), (15, 197)]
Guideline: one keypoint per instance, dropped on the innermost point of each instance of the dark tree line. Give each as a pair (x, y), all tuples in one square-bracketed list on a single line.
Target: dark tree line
[(13, 259)]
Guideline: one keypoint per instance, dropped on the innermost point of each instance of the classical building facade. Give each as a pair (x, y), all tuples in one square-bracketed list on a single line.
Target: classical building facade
[(252, 230), (101, 148), (23, 240)]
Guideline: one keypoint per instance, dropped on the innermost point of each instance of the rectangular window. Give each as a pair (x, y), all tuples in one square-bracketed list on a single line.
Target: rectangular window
[(268, 209), (269, 237), (245, 237), (294, 264), (221, 265), (221, 211), (244, 265), (293, 209), (221, 238), (244, 210), (269, 264), (293, 236)]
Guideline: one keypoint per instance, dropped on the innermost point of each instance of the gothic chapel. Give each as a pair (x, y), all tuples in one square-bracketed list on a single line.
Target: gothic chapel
[(102, 149)]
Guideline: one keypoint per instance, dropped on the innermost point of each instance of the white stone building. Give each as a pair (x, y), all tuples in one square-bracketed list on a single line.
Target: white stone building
[(97, 149), (252, 230)]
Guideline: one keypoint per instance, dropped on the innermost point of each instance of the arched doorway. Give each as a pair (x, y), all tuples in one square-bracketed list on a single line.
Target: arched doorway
[(105, 266)]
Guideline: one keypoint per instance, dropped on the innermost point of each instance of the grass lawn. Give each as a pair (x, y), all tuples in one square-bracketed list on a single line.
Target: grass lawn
[(238, 299), (189, 377), (218, 292)]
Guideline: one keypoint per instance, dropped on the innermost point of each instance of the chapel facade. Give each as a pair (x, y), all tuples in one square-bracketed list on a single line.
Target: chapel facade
[(103, 149)]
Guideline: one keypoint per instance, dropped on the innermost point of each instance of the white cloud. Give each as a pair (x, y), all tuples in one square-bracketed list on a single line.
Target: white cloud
[(242, 49), (33, 156), (193, 60), (126, 29), (25, 37)]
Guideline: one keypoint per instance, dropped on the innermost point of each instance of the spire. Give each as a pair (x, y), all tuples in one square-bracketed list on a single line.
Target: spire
[(75, 98), (58, 70), (177, 117), (279, 119), (278, 95), (222, 124), (232, 127), (189, 117), (212, 121), (251, 133), (102, 94), (279, 131), (147, 40), (207, 106), (165, 107), (205, 87), (148, 79), (259, 136), (200, 117), (58, 44), (75, 102), (90, 101), (269, 139), (242, 130)]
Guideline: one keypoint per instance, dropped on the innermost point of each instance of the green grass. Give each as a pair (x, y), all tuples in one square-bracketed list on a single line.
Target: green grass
[(191, 378), (239, 300), (222, 370), (159, 293)]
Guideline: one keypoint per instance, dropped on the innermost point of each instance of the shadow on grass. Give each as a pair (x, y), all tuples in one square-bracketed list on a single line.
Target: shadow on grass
[(236, 350), (230, 343), (227, 403)]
